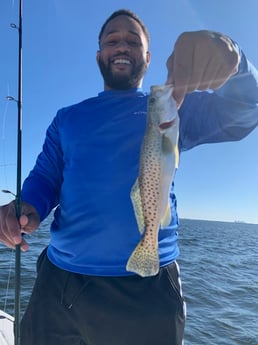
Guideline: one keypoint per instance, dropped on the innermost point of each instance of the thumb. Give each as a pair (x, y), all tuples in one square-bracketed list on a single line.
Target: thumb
[(23, 220), (169, 80), (179, 96), (170, 67), (29, 220)]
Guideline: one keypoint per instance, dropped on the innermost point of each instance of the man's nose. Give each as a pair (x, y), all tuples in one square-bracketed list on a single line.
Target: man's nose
[(123, 46)]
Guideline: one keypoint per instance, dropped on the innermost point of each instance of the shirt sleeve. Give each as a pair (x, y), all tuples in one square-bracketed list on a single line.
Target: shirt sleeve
[(42, 187), (227, 114)]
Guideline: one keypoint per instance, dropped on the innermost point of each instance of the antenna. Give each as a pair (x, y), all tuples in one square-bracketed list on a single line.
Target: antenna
[(18, 180)]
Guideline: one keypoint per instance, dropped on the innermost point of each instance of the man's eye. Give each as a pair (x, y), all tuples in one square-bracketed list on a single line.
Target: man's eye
[(115, 42), (111, 43), (134, 43)]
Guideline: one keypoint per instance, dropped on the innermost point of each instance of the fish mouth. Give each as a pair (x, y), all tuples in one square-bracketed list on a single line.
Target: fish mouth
[(166, 125)]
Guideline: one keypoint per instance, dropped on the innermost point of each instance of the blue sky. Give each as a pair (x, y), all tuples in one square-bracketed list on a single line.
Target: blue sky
[(217, 182)]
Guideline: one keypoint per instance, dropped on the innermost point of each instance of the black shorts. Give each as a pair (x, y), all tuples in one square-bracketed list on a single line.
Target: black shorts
[(74, 309)]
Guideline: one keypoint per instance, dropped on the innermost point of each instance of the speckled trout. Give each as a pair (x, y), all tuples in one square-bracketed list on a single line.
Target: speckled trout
[(150, 194)]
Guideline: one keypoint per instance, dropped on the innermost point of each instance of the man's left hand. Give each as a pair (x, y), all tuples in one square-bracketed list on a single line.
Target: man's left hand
[(201, 60)]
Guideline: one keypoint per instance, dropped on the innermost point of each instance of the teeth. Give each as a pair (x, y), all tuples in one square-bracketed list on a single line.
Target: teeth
[(122, 61)]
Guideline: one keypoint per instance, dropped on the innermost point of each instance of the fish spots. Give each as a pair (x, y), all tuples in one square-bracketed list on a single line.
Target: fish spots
[(150, 193)]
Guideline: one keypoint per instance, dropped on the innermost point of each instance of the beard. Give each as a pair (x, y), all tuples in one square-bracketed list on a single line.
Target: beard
[(122, 82)]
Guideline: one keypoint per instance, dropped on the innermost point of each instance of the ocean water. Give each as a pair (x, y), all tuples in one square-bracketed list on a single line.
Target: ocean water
[(219, 271)]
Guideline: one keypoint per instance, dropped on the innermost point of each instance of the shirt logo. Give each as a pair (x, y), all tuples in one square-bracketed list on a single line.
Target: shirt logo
[(139, 113)]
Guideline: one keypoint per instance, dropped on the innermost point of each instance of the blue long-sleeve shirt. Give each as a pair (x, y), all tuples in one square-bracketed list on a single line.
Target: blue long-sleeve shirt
[(89, 164)]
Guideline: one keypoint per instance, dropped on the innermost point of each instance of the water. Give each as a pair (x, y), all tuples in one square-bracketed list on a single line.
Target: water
[(219, 270)]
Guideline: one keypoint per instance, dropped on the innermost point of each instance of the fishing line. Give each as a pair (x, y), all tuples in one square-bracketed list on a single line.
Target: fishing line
[(8, 280), (4, 165), (4, 117), (3, 140)]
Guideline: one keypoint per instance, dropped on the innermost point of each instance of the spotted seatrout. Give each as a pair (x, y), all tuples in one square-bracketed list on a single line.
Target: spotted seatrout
[(150, 193)]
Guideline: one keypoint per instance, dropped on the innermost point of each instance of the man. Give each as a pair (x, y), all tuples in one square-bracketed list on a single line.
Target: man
[(83, 293)]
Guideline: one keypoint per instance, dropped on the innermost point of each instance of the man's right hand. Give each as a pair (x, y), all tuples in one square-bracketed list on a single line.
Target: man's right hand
[(11, 230)]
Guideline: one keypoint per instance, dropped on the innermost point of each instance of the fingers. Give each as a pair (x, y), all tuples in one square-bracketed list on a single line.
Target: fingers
[(24, 245), (215, 59), (201, 60), (29, 219), (177, 76), (170, 68), (11, 230), (23, 221)]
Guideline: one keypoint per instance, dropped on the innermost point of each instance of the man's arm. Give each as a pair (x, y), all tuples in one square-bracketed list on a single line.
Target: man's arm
[(227, 114), (42, 187)]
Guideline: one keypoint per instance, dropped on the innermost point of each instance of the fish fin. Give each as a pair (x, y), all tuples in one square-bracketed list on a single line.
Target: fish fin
[(166, 144), (167, 217), (144, 262), (176, 156), (137, 206)]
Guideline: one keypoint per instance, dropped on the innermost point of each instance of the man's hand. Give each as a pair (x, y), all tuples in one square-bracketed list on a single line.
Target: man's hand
[(11, 230), (201, 60)]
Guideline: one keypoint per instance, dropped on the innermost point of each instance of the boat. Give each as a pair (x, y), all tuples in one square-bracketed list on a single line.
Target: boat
[(6, 329)]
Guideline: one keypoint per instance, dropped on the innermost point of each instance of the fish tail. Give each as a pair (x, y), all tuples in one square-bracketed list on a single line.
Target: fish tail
[(143, 261)]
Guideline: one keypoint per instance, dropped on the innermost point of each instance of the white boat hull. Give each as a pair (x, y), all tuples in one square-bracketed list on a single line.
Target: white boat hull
[(6, 329)]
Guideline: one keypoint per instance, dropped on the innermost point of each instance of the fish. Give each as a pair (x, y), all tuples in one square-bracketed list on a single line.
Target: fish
[(159, 159)]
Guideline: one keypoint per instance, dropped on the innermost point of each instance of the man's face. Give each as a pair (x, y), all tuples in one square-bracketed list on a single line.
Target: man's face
[(123, 56)]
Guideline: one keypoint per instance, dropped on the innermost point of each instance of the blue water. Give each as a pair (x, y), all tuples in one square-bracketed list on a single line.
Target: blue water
[(219, 271)]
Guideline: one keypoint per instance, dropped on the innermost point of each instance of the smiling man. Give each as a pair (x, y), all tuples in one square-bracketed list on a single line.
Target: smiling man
[(124, 55), (83, 294)]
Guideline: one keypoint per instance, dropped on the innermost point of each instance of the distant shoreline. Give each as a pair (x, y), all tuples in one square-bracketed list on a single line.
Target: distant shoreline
[(219, 221)]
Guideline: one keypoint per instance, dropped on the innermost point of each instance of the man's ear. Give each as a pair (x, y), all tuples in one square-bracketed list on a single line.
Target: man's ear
[(148, 57), (97, 56)]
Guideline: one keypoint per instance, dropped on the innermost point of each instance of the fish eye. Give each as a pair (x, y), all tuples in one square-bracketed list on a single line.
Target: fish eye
[(151, 100)]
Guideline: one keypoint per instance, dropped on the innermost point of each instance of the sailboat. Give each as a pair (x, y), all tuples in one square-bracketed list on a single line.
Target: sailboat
[(9, 325)]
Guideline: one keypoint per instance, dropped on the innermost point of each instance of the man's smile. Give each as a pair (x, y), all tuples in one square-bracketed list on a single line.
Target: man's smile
[(121, 62)]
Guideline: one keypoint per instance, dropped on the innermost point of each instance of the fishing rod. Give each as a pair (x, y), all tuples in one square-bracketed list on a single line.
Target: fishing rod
[(17, 281)]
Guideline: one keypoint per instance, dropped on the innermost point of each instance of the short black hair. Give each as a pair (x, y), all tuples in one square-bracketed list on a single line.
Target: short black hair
[(129, 13)]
